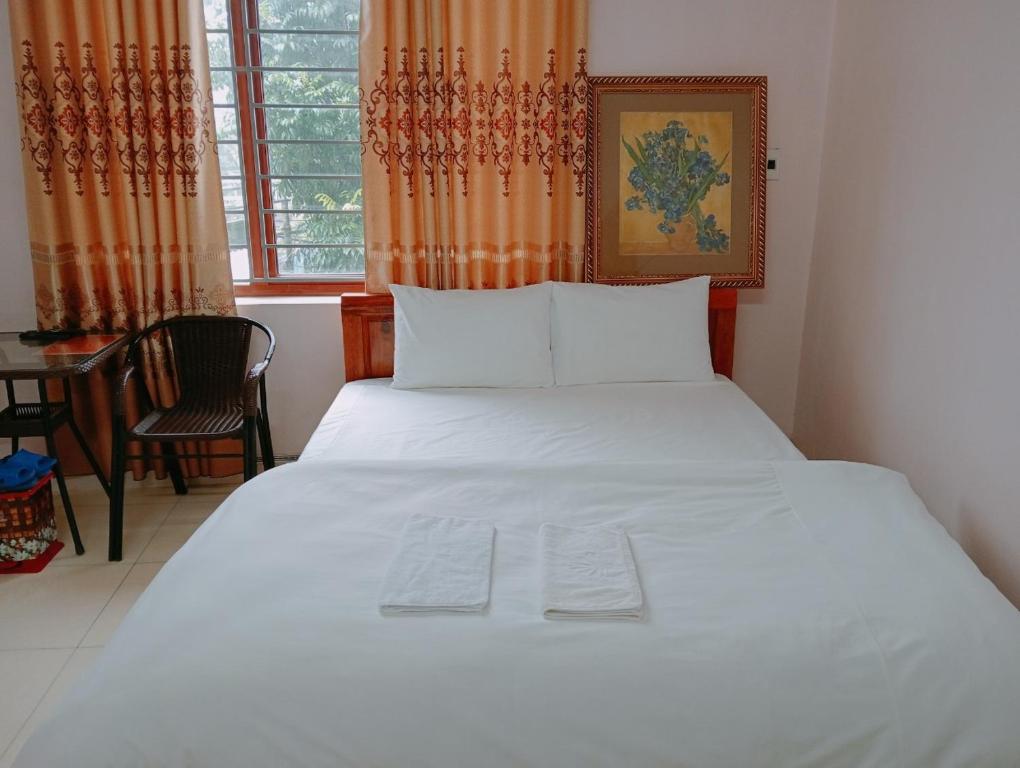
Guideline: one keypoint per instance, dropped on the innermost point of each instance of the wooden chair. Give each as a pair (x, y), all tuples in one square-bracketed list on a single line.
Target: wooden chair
[(219, 397)]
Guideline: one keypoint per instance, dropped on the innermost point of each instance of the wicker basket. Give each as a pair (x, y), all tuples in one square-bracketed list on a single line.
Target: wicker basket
[(27, 523)]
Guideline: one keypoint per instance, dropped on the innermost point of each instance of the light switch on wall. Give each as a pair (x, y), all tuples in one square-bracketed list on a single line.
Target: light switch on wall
[(772, 164)]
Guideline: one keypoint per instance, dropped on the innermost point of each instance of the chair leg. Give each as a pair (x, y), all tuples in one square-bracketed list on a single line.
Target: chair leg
[(117, 468), (65, 497), (173, 468), (266, 436), (58, 470), (248, 438), (265, 441)]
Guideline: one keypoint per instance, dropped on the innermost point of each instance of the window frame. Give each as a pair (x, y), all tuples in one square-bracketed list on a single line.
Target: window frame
[(253, 156)]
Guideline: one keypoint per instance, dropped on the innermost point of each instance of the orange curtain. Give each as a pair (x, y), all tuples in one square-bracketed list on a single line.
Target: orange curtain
[(125, 209), (473, 128)]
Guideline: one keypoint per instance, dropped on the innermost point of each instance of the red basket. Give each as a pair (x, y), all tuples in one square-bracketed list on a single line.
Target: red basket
[(28, 528)]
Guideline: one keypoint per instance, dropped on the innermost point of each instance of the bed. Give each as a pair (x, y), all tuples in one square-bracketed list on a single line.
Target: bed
[(799, 613), (587, 423)]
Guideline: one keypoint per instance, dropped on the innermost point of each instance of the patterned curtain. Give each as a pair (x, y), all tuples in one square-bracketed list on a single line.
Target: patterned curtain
[(125, 209), (473, 133)]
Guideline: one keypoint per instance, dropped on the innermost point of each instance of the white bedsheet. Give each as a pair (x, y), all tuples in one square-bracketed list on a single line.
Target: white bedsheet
[(590, 423), (797, 614)]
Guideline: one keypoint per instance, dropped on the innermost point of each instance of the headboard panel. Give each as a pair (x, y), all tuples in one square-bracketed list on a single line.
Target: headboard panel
[(367, 320)]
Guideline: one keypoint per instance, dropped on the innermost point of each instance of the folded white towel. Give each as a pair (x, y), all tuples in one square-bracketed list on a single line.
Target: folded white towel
[(588, 573), (442, 564)]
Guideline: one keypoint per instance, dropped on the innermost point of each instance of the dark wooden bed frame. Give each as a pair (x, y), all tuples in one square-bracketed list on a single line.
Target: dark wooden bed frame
[(367, 320)]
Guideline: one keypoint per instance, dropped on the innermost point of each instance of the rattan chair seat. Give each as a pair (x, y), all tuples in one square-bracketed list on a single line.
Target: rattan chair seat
[(182, 422)]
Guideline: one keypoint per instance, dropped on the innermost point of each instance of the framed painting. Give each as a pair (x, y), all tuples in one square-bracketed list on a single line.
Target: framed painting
[(676, 180)]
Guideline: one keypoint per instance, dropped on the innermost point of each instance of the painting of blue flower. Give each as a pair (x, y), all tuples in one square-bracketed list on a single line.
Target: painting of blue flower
[(676, 179), (675, 172)]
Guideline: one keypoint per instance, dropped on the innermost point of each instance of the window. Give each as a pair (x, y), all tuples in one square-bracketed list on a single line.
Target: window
[(285, 85)]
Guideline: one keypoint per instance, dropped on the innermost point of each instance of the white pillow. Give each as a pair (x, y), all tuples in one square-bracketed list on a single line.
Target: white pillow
[(614, 333), (487, 338)]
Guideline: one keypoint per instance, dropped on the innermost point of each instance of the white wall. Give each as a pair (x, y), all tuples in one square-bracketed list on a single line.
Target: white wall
[(788, 40), (307, 369), (912, 346)]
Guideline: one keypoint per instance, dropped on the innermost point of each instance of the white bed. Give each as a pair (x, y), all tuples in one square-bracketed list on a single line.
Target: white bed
[(590, 423), (798, 614)]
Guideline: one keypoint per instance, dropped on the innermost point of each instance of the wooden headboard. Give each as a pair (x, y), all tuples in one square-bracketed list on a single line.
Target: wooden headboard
[(367, 320)]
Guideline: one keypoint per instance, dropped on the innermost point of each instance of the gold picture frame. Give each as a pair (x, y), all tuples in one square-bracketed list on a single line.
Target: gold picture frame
[(676, 180)]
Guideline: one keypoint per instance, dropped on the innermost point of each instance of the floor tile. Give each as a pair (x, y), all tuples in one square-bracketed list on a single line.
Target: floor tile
[(127, 593), (139, 510), (151, 488), (79, 661), (167, 541), (141, 521), (193, 510), (55, 608), (26, 676), (88, 491), (83, 491)]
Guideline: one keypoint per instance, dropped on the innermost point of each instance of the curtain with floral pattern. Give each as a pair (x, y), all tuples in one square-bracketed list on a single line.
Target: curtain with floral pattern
[(125, 209), (473, 133)]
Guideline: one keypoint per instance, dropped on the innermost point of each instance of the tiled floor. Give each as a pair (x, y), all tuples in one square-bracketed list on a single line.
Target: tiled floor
[(53, 624)]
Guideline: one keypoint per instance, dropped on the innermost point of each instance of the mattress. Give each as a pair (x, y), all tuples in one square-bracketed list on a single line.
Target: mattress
[(592, 423), (797, 614)]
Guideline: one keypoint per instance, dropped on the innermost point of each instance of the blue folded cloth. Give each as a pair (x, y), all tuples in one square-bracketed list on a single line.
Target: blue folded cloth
[(14, 478), (22, 470), (38, 463)]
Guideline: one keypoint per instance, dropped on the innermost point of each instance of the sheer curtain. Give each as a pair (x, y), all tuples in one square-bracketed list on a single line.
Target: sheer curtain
[(473, 132)]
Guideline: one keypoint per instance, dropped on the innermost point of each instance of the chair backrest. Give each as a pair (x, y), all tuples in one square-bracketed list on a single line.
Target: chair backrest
[(209, 356)]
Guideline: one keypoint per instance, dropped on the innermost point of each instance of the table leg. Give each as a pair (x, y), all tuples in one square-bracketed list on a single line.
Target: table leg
[(89, 456), (51, 449)]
